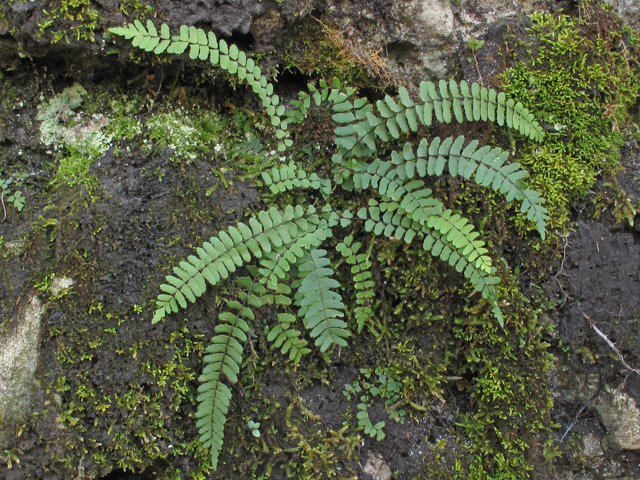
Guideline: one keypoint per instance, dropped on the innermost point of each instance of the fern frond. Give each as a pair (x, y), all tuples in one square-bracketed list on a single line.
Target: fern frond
[(488, 165), (287, 177), (362, 279), (276, 264), (412, 200), (206, 46), (357, 137), (414, 197), (447, 236), (224, 358), (320, 307), (222, 254), (284, 336)]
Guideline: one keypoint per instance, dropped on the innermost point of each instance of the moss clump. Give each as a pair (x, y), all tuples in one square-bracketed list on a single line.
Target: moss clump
[(322, 48), (79, 20), (432, 336), (509, 390), (75, 18), (579, 77)]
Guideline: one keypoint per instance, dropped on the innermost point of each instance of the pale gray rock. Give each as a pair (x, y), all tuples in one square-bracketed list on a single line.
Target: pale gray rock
[(629, 10), (619, 414), (19, 345), (422, 41), (377, 467)]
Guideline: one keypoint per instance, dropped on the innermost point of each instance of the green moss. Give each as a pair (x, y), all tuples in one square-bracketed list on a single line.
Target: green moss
[(69, 19), (513, 406), (580, 82), (439, 338)]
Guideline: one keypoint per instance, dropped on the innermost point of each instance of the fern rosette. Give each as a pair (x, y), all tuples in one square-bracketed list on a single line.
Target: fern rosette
[(281, 248)]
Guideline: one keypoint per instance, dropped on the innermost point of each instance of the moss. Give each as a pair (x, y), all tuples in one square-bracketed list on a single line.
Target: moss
[(69, 19), (321, 48), (77, 20), (437, 337), (579, 77)]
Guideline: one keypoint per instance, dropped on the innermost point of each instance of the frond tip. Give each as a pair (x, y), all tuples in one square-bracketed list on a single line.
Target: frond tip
[(223, 359)]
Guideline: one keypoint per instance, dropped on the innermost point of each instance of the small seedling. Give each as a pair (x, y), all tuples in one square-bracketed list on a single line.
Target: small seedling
[(254, 426)]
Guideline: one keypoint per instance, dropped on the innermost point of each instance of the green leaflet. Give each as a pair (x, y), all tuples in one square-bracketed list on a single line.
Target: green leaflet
[(287, 177), (203, 46), (362, 279), (224, 356), (447, 236), (488, 164)]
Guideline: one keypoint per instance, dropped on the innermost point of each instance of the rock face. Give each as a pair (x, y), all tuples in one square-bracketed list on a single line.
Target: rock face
[(619, 414), (437, 26), (419, 37), (629, 10)]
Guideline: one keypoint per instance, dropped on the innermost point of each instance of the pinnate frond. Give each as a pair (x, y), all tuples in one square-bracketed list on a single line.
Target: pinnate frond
[(487, 163), (446, 236), (321, 308), (362, 279), (284, 335), (224, 253), (290, 176), (206, 46), (447, 101), (224, 359), (287, 338)]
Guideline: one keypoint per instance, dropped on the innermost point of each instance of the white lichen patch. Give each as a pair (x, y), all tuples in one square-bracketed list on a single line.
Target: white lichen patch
[(57, 111), (175, 130), (19, 347), (189, 134), (63, 126)]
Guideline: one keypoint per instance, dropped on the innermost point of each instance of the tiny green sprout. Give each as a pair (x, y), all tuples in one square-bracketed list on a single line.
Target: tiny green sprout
[(137, 308), (475, 45), (351, 389), (254, 426), (364, 422), (18, 200)]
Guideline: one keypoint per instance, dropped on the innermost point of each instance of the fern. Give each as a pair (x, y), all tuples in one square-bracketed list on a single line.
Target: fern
[(221, 255), (362, 282), (206, 46), (320, 307), (288, 177), (487, 163), (281, 248), (284, 335), (225, 357), (467, 255)]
